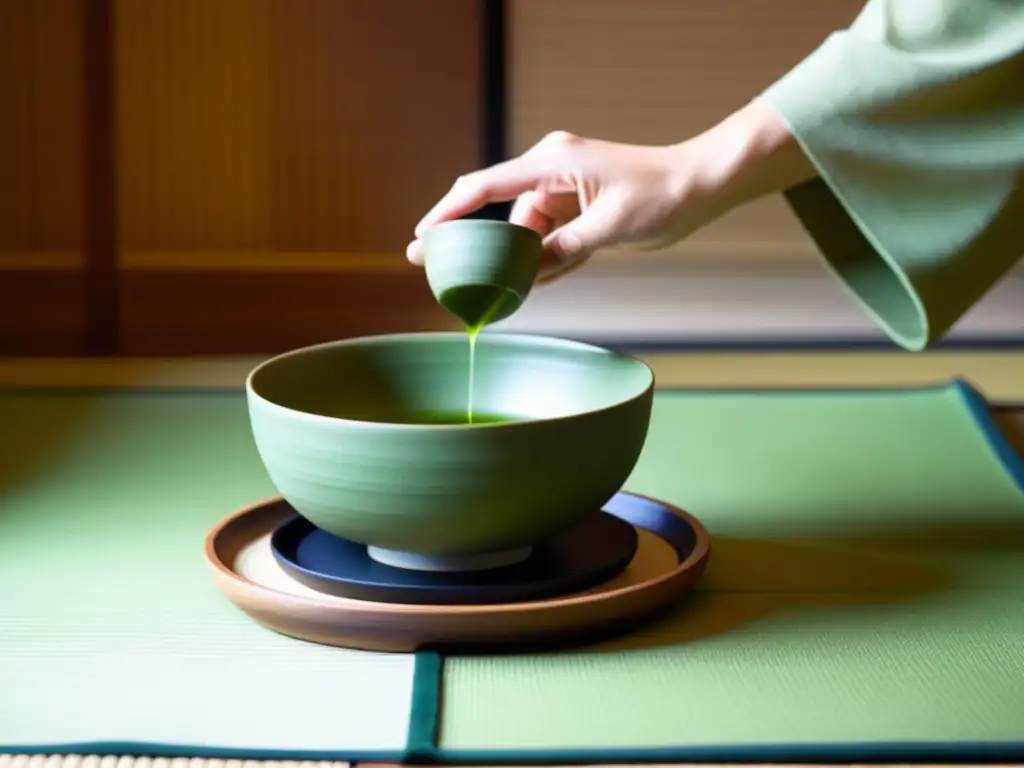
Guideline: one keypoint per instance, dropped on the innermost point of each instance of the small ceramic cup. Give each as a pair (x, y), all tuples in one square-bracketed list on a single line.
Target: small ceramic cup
[(481, 270)]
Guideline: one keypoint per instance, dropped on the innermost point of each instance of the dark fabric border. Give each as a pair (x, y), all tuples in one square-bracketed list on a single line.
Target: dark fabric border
[(425, 713), (980, 409), (988, 752)]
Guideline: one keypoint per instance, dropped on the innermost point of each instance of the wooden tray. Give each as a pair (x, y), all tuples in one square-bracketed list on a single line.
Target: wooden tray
[(671, 557)]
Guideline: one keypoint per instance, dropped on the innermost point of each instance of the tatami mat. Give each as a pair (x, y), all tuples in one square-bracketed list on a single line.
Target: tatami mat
[(999, 375)]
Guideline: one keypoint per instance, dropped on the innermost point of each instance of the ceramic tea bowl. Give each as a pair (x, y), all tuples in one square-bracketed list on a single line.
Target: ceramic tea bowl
[(367, 439), (481, 270)]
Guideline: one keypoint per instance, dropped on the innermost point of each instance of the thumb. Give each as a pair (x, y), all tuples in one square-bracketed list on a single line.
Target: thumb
[(596, 227)]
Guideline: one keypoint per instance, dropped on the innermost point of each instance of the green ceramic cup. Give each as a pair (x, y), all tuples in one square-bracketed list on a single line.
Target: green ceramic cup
[(481, 270), (344, 430)]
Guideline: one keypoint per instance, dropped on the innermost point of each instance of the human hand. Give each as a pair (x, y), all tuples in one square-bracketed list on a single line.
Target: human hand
[(583, 194), (580, 194)]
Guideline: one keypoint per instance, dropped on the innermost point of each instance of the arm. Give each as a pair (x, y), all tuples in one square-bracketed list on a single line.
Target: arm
[(911, 123), (899, 143)]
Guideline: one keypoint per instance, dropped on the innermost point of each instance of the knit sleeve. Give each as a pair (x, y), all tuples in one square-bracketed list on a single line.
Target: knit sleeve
[(914, 119)]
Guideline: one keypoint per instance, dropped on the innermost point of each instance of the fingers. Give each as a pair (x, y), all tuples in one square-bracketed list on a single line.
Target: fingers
[(558, 270), (497, 184), (414, 252), (572, 244), (527, 212), (540, 210), (540, 169), (544, 212), (595, 228)]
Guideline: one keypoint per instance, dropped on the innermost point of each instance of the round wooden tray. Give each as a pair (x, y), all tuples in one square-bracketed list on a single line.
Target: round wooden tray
[(671, 556)]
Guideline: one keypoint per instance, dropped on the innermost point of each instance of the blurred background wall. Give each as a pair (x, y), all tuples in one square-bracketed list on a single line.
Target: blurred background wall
[(242, 176), (269, 159), (658, 71)]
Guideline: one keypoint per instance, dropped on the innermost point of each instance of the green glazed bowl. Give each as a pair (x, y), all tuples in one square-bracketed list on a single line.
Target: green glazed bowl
[(357, 436), (481, 270)]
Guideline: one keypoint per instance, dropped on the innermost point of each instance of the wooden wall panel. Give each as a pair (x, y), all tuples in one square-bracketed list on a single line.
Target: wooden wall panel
[(660, 71), (192, 125), (375, 109), (262, 312), (271, 127), (42, 312), (41, 288), (273, 158), (40, 127)]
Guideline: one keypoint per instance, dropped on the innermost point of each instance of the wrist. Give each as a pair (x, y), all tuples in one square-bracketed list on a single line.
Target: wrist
[(748, 155)]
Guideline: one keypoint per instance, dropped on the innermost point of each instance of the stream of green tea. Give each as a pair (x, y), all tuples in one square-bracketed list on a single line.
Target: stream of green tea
[(469, 415), (472, 331)]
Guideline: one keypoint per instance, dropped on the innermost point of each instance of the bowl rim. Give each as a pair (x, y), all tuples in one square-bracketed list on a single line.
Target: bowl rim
[(534, 339)]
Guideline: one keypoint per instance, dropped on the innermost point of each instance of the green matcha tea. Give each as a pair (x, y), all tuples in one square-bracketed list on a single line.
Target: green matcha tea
[(480, 318), (398, 415), (476, 306), (442, 418), (472, 333)]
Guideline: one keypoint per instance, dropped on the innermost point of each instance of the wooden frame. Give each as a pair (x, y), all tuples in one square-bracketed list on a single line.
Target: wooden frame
[(100, 192), (114, 300)]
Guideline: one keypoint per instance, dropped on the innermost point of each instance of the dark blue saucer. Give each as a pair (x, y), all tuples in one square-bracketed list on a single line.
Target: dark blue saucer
[(591, 553)]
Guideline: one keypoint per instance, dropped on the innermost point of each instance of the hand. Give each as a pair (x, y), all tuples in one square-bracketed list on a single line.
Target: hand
[(579, 194), (584, 194)]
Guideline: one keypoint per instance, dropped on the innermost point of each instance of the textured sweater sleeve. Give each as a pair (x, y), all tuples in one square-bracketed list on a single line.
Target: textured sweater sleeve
[(914, 119)]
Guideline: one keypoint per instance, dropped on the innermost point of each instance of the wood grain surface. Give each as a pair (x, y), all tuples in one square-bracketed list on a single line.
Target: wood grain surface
[(210, 312), (141, 139), (238, 553), (42, 293)]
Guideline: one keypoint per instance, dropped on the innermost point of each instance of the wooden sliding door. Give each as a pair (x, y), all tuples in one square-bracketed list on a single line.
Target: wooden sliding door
[(42, 275), (268, 161), (273, 158)]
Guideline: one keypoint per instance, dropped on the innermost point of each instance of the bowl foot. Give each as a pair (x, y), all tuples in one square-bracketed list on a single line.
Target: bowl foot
[(481, 561)]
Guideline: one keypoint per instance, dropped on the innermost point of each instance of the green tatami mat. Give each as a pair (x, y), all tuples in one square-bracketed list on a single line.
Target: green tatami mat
[(113, 637), (863, 599)]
